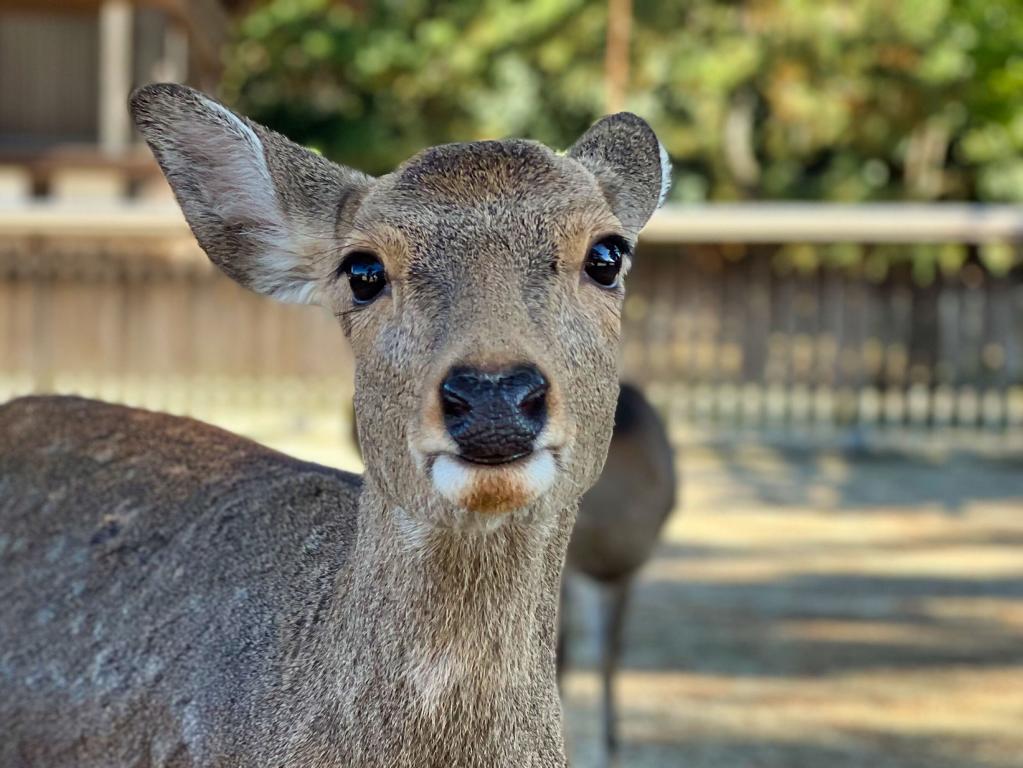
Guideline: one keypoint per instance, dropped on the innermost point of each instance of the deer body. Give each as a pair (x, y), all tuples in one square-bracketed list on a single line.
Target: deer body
[(621, 516), (616, 531), (173, 595), (211, 586)]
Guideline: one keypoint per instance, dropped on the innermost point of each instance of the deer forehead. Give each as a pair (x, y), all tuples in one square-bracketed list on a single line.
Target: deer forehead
[(477, 171), (507, 201)]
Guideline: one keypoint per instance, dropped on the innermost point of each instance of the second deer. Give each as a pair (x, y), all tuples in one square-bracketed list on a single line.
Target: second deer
[(617, 528)]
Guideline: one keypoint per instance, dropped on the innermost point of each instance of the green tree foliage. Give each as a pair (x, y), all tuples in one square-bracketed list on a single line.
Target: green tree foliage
[(807, 99)]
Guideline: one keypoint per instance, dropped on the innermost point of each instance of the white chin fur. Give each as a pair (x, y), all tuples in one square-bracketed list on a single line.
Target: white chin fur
[(450, 477), (454, 479)]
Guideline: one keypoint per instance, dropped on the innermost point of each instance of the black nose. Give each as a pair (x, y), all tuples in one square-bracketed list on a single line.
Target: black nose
[(494, 417)]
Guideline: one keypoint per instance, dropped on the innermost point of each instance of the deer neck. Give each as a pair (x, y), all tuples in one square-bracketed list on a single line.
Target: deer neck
[(454, 632), (473, 604)]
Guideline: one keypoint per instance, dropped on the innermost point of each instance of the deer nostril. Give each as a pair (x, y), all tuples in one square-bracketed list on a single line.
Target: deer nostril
[(534, 404), (453, 405)]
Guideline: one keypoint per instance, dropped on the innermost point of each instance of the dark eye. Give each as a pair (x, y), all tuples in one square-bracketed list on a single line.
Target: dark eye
[(366, 276), (604, 261)]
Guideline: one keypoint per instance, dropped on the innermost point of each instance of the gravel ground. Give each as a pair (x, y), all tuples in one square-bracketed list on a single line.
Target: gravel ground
[(816, 610)]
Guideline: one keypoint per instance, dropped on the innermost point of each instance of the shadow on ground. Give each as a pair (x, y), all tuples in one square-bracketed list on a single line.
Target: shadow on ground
[(825, 610)]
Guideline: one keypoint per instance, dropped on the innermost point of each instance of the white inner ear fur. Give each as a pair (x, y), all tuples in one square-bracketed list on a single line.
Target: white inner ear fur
[(240, 188), (665, 175)]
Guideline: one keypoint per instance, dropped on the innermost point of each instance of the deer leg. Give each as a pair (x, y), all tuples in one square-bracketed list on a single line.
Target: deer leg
[(613, 599)]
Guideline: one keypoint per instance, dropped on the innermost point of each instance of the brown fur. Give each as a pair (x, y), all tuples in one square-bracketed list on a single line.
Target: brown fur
[(173, 595), (618, 526)]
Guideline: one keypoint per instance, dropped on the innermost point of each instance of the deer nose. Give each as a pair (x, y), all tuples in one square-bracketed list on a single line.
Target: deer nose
[(494, 416)]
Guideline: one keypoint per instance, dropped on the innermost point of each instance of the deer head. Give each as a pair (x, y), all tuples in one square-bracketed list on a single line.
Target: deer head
[(480, 285)]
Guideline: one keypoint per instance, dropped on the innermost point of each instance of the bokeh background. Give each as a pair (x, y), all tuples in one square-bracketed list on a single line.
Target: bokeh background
[(828, 314)]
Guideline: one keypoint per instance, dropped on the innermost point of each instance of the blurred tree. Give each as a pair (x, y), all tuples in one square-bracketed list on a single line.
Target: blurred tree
[(371, 83), (810, 99)]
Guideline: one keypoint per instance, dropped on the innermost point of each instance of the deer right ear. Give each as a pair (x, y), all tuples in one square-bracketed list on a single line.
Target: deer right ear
[(265, 210), (630, 164)]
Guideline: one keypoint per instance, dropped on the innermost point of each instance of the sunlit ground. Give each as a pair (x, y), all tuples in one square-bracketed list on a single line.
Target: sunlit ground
[(817, 610)]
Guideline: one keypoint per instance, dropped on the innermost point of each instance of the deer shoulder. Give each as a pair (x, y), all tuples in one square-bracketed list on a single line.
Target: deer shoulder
[(172, 558)]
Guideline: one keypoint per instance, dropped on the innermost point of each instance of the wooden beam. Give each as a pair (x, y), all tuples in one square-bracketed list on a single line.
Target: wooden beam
[(98, 219), (116, 73), (726, 223), (138, 163), (836, 223), (616, 55)]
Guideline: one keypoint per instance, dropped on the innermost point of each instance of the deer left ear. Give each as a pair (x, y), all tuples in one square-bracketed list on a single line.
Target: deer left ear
[(266, 211), (630, 164)]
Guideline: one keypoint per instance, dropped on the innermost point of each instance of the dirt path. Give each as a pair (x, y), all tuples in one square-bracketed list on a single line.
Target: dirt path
[(815, 611)]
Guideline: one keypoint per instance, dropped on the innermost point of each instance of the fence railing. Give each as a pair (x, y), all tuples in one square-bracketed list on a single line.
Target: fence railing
[(780, 318), (834, 319)]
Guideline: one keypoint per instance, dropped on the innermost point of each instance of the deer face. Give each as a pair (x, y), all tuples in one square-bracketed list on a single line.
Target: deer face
[(480, 286)]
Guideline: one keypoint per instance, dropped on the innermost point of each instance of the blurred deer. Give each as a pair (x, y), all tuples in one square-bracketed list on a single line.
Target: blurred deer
[(174, 595), (617, 528)]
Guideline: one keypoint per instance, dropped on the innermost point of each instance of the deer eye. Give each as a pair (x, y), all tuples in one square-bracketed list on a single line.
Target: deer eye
[(366, 276), (604, 261)]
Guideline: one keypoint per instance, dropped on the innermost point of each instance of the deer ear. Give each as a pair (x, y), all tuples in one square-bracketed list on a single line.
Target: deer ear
[(265, 210), (630, 164)]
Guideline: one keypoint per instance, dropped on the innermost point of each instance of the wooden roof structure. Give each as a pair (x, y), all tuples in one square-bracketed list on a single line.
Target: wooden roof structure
[(194, 33), (204, 21)]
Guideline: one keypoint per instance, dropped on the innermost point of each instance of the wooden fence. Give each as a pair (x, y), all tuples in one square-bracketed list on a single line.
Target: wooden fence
[(908, 321), (157, 326), (784, 339)]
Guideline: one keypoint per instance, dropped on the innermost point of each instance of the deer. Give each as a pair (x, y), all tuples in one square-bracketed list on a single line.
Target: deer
[(616, 531), (175, 595)]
